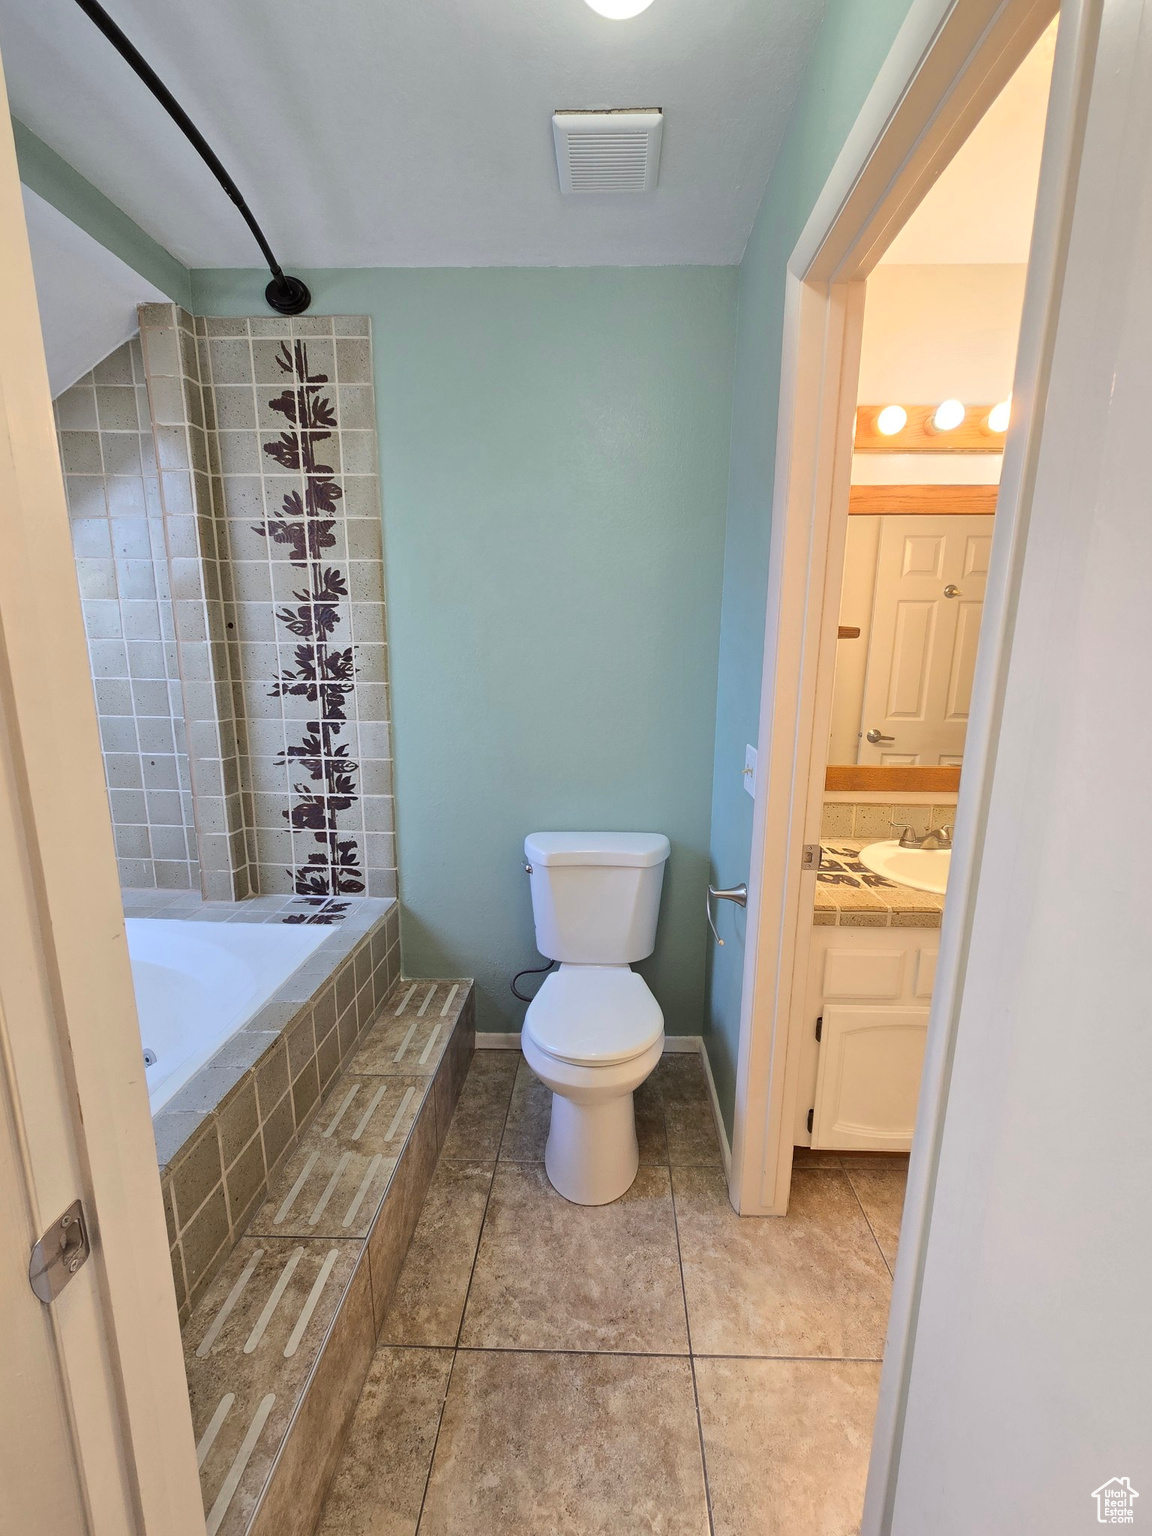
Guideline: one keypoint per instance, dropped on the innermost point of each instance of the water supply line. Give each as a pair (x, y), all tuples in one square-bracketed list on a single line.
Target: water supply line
[(532, 970), (287, 295)]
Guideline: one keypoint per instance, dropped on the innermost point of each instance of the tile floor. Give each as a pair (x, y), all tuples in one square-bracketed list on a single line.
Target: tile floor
[(657, 1365)]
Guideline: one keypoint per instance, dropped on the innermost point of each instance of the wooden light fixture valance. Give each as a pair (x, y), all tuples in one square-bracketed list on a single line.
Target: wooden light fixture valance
[(911, 500)]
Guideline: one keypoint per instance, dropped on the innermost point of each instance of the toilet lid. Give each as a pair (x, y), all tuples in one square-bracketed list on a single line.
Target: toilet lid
[(594, 1015)]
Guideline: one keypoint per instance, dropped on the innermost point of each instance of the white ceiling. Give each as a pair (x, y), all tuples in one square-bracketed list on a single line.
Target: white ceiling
[(981, 208), (415, 132), (87, 297)]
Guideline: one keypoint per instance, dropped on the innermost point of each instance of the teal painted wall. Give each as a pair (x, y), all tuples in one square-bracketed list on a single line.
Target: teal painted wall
[(554, 463), (58, 183), (852, 43)]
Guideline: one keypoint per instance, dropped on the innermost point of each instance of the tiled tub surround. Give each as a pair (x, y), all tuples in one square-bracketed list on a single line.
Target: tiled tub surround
[(225, 505), (849, 895), (228, 1132), (278, 1349), (180, 401), (113, 486), (292, 444)]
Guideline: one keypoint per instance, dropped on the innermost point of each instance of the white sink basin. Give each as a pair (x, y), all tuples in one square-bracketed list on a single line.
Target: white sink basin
[(924, 869)]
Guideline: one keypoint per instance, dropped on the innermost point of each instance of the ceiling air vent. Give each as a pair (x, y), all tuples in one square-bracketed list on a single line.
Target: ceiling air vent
[(614, 151)]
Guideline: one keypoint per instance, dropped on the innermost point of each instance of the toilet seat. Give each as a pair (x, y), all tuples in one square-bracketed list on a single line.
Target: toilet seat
[(594, 1016)]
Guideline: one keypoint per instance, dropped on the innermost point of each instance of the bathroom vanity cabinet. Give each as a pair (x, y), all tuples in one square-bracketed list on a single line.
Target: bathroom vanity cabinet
[(866, 1020)]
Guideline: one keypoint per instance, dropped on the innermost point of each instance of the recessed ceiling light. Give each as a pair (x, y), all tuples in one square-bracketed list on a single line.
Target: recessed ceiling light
[(618, 10)]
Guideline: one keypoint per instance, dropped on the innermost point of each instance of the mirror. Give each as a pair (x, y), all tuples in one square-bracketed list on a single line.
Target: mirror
[(915, 569)]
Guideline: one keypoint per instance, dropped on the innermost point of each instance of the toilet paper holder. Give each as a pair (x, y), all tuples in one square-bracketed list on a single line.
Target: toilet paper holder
[(736, 893)]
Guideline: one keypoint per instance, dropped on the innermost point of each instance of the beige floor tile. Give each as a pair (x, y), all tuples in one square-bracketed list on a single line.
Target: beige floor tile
[(692, 1140), (478, 1122), (379, 1483), (809, 1283), (566, 1445), (880, 1190), (552, 1275), (812, 1157), (688, 1117), (786, 1444), (650, 1136), (529, 1115), (428, 1301)]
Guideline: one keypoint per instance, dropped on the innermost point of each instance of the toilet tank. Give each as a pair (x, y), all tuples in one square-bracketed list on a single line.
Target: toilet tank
[(596, 895)]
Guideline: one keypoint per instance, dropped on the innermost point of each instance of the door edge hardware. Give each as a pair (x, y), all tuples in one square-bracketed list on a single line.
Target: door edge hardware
[(736, 893), (62, 1250), (810, 856)]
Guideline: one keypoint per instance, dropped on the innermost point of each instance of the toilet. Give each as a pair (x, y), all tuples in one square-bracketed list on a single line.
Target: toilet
[(594, 1032)]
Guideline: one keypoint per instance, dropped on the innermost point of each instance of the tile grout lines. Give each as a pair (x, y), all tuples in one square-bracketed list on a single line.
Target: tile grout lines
[(458, 1347), (627, 1354), (868, 1223), (464, 1308), (688, 1329)]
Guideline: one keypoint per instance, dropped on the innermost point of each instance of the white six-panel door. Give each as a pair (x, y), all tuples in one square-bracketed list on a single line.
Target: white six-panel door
[(929, 598)]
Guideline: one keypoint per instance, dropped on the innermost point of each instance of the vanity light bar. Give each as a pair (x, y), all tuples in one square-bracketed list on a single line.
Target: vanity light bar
[(949, 426)]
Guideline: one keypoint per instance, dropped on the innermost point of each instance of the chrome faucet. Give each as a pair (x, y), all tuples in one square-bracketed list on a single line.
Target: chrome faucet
[(935, 837)]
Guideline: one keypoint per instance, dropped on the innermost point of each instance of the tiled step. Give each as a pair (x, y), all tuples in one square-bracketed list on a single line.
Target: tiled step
[(277, 1350)]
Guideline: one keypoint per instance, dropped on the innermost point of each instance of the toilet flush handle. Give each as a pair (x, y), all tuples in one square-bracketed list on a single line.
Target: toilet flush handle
[(737, 893)]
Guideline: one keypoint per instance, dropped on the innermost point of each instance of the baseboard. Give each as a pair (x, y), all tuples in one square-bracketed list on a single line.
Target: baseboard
[(721, 1132), (680, 1044)]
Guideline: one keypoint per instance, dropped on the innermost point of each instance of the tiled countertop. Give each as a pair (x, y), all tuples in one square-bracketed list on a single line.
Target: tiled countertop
[(848, 895)]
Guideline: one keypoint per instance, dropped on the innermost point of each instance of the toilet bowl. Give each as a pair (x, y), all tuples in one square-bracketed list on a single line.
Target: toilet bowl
[(594, 1032), (592, 1035)]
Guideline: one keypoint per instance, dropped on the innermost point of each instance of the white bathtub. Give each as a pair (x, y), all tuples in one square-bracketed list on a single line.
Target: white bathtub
[(197, 983)]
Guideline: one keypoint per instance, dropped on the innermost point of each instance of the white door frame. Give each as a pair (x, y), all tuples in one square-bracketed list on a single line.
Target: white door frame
[(949, 61), (71, 1067)]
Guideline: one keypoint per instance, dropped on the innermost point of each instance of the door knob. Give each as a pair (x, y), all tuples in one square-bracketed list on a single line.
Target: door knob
[(737, 893), (951, 590), (875, 737)]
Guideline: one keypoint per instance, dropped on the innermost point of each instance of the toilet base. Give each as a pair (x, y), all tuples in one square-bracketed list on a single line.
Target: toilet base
[(592, 1155)]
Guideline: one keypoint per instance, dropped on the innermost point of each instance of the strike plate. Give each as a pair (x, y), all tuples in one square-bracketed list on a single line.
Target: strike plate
[(59, 1253)]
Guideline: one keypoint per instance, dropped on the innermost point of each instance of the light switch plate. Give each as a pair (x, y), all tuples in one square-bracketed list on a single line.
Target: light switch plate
[(750, 770)]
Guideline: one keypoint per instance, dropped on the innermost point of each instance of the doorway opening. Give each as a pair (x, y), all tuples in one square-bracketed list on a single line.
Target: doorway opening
[(941, 320)]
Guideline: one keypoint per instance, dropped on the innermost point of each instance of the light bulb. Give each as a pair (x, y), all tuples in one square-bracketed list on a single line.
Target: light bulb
[(618, 10), (892, 419), (998, 416), (949, 415)]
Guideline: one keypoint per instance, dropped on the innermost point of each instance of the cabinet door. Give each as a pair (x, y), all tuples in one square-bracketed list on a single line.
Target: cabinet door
[(868, 1080)]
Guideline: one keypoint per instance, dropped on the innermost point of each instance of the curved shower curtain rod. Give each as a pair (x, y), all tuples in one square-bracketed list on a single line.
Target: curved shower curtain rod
[(286, 294)]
